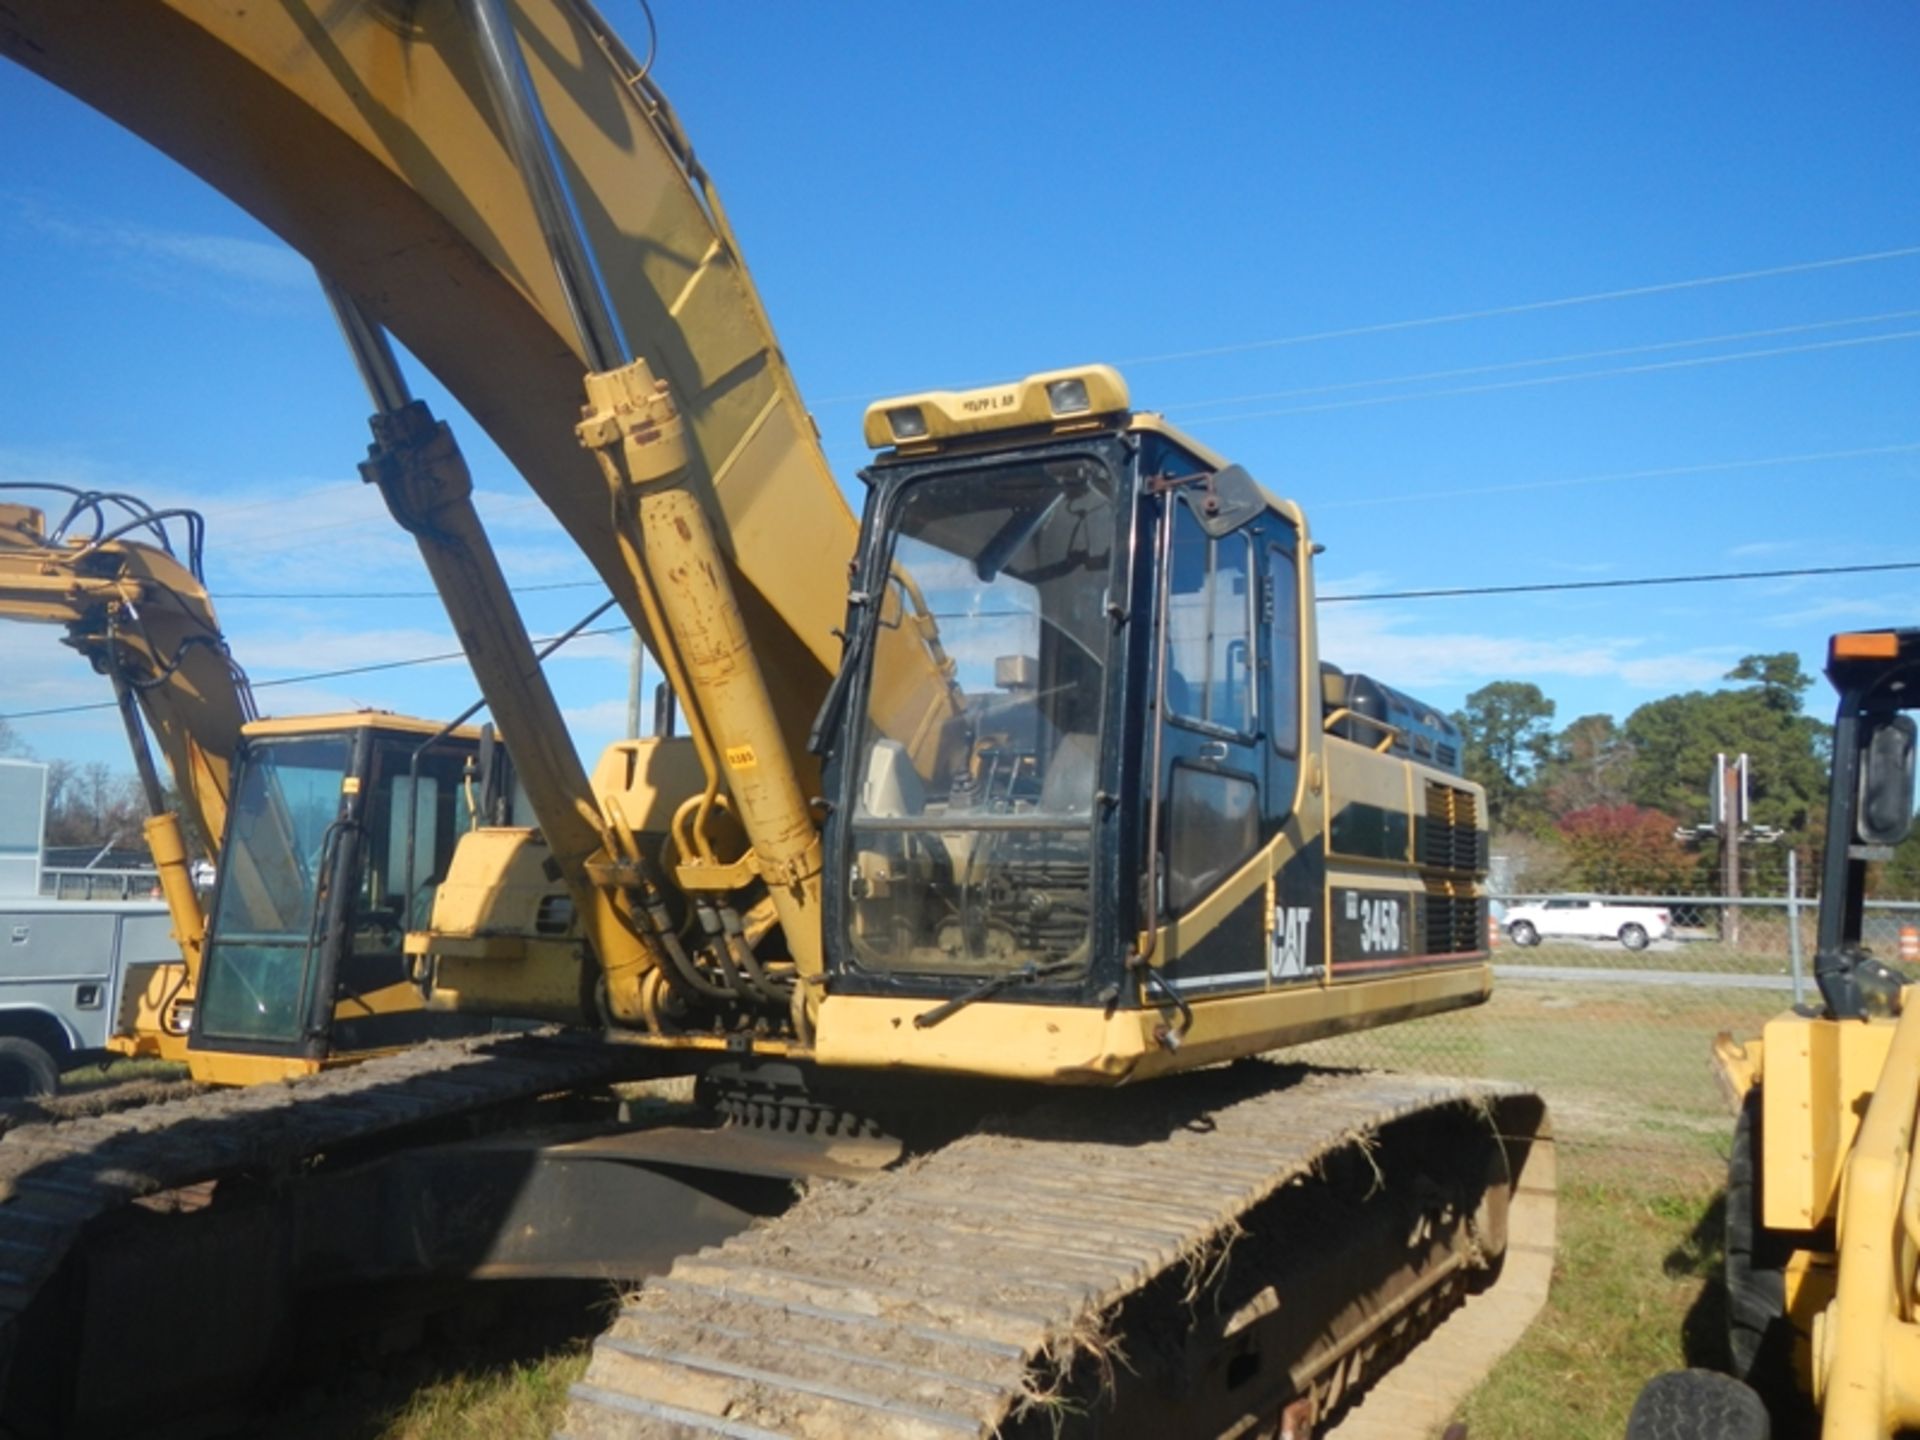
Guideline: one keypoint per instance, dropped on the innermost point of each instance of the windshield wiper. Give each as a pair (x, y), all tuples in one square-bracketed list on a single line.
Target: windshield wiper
[(986, 989), (859, 636)]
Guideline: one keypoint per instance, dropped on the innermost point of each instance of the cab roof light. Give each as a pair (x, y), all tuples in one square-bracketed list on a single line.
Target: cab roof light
[(1069, 396), (1073, 397), (908, 422), (1867, 645)]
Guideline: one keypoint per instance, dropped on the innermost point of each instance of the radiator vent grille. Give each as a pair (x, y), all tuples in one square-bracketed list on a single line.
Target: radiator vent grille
[(1450, 834), (1456, 918)]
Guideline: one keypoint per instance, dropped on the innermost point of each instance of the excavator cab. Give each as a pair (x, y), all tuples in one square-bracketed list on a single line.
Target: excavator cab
[(1109, 843), (341, 829), (994, 846)]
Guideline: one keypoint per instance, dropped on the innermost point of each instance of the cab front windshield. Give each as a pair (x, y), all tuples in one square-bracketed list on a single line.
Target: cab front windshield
[(279, 833), (972, 839), (295, 836)]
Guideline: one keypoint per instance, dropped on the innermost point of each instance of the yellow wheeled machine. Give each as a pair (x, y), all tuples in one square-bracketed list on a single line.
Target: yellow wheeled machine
[(1823, 1192)]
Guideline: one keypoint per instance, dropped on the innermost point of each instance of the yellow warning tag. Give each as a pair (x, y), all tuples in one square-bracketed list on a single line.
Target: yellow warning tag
[(350, 785), (741, 757)]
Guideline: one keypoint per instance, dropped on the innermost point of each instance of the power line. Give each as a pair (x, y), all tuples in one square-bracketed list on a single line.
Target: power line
[(389, 594), (1662, 472), (1565, 302), (1658, 473), (1613, 353), (1457, 317), (1539, 380), (1559, 585)]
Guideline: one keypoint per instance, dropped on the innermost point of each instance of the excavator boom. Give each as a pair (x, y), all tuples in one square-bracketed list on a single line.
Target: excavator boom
[(363, 135)]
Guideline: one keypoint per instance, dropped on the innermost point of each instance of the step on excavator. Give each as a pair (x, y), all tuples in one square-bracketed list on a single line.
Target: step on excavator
[(1008, 815), (125, 582), (1823, 1192)]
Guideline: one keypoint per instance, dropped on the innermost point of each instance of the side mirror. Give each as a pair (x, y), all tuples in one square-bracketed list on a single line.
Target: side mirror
[(1886, 782)]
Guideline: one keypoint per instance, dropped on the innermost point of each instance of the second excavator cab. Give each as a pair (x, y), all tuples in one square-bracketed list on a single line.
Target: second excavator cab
[(342, 828)]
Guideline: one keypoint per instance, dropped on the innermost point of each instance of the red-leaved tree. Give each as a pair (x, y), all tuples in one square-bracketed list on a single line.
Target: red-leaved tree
[(1626, 850)]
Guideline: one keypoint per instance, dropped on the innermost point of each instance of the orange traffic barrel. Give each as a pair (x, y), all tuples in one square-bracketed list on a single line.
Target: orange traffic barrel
[(1493, 932), (1909, 944)]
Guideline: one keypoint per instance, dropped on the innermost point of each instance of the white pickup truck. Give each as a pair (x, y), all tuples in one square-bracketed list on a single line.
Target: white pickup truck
[(1587, 918)]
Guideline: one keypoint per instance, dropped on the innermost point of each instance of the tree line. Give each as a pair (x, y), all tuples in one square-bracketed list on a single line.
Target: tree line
[(1618, 806), (93, 805)]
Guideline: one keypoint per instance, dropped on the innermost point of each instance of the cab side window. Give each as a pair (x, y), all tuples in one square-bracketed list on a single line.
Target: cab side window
[(1210, 627), (1283, 609)]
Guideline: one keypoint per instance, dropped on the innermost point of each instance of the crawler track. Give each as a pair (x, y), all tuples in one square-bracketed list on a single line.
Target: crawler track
[(57, 1175), (1010, 1281)]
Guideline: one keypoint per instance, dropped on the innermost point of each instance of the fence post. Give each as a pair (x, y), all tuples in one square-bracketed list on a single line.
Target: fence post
[(1793, 925)]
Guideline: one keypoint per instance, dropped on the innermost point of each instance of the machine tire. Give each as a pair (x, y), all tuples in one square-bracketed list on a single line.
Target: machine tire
[(1523, 934), (1634, 937), (1697, 1405), (1759, 1336), (26, 1069)]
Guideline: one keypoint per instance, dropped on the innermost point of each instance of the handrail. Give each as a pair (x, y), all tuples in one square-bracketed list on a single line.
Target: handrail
[(1385, 743)]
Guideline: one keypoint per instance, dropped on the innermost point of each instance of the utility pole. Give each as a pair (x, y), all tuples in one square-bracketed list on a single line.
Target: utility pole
[(1728, 797), (636, 672)]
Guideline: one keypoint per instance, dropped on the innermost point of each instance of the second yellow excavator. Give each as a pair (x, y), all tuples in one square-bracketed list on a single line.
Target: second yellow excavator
[(125, 581)]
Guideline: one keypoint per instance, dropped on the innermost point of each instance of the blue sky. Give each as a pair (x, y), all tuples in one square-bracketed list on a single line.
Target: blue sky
[(1242, 205)]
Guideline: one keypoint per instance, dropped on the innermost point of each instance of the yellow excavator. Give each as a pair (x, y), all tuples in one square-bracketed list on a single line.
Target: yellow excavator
[(125, 582), (1823, 1192), (1024, 788)]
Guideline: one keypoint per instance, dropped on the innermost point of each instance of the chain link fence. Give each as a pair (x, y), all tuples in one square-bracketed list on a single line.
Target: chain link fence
[(1618, 1038)]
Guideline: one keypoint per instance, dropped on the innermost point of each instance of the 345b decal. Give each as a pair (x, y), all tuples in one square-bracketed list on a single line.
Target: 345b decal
[(1368, 925)]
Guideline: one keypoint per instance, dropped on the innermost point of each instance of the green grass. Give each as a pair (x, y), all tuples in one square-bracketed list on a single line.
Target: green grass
[(499, 1367), (1635, 1292), (524, 1400), (1622, 1067), (513, 1401)]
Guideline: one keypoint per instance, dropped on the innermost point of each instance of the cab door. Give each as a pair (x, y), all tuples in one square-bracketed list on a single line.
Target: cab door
[(1213, 757)]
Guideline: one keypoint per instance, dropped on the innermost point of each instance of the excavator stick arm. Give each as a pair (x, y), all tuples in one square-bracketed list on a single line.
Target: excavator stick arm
[(142, 616)]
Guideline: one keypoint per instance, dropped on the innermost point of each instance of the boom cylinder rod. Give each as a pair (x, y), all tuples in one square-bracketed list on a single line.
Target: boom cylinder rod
[(372, 354), (150, 785), (168, 847), (515, 103)]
